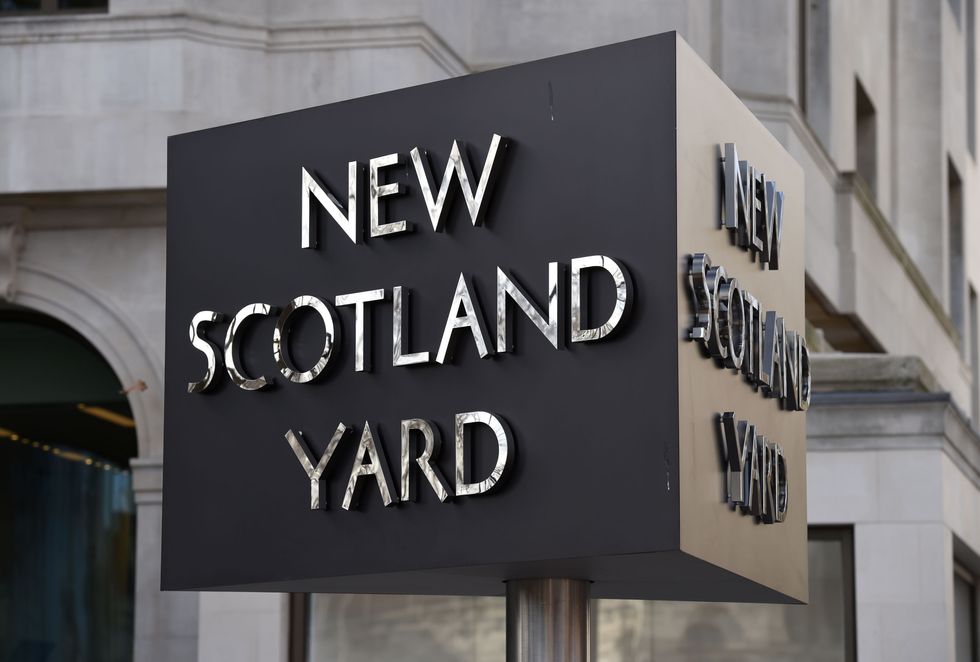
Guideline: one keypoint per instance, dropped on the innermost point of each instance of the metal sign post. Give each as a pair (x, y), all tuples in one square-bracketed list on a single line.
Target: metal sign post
[(547, 620)]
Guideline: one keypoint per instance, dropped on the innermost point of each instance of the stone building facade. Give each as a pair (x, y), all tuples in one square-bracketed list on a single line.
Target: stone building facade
[(876, 100)]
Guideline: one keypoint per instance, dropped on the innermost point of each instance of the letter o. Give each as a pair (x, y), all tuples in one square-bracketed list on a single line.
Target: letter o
[(716, 281), (731, 313), (282, 327)]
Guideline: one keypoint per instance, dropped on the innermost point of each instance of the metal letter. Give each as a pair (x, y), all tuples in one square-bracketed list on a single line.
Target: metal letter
[(738, 440), (362, 355), (792, 362), (231, 346), (202, 345), (508, 288), (346, 220), (376, 467), (377, 191), (318, 488), (717, 346), (752, 475), (280, 339), (399, 332), (738, 207), (774, 355), (731, 318), (767, 505), (782, 485), (697, 276), (460, 165), (753, 337), (758, 203), (804, 402), (431, 472), (624, 288), (773, 226), (505, 452), (472, 320)]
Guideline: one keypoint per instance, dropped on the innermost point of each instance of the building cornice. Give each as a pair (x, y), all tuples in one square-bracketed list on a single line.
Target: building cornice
[(84, 209), (891, 420), (271, 37)]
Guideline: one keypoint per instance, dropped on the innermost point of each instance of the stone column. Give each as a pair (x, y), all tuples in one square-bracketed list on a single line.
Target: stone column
[(165, 626)]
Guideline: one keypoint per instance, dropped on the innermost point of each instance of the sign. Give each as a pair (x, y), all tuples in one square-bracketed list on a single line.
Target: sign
[(540, 321)]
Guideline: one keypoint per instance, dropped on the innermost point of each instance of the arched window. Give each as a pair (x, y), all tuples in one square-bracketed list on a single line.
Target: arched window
[(66, 501)]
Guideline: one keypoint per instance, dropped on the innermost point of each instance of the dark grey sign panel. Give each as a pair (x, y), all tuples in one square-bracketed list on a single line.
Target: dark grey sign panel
[(531, 315)]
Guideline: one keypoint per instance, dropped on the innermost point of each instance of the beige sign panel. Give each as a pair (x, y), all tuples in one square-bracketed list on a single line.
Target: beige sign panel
[(754, 545)]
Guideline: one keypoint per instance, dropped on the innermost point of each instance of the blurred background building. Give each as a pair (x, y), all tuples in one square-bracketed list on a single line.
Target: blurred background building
[(876, 99)]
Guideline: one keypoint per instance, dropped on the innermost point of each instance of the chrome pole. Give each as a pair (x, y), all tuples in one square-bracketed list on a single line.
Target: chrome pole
[(548, 620)]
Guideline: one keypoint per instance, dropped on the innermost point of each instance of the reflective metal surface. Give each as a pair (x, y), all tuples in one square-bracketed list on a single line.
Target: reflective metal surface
[(231, 347), (781, 481), (205, 347), (459, 164), (377, 191), (773, 355), (399, 336), (433, 444), (732, 324), (471, 319), (698, 269), (773, 226), (375, 467), (752, 208), (716, 345), (623, 292), (738, 196), (507, 288), (768, 507), (280, 339), (791, 364), (805, 380), (362, 357), (756, 476), (736, 438), (753, 336), (318, 486), (505, 452), (752, 473), (731, 313), (347, 220), (548, 620)]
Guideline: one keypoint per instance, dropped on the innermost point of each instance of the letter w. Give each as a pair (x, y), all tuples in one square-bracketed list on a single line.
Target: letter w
[(458, 164)]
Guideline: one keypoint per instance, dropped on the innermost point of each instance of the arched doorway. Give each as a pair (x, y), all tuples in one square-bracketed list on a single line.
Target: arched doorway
[(66, 501)]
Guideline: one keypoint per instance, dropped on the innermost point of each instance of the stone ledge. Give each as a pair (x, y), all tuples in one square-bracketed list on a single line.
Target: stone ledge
[(147, 479), (216, 29), (893, 421), (870, 372)]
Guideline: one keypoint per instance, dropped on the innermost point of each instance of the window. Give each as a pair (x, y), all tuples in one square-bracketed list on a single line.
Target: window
[(957, 295), (965, 615), (954, 6), (801, 53), (66, 498), (814, 58), (974, 360), (51, 6), (971, 80), (362, 628), (822, 631), (866, 140)]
